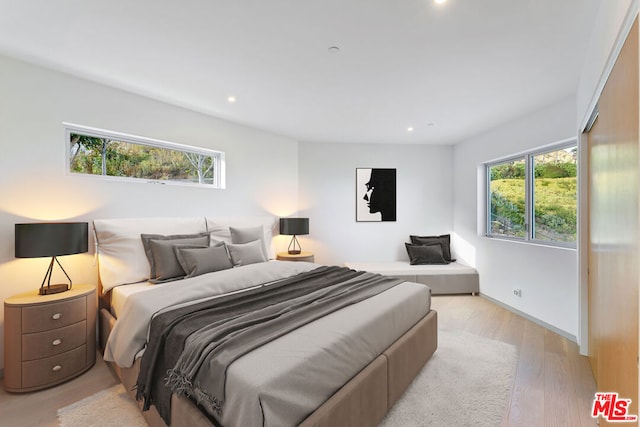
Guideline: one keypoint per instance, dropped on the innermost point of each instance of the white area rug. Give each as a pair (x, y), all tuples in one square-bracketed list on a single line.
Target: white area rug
[(466, 383), (108, 408)]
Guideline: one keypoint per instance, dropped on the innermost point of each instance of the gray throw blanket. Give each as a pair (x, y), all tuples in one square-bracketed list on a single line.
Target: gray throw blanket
[(190, 348)]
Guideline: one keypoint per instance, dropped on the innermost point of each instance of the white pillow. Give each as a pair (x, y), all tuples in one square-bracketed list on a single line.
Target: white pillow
[(219, 228), (121, 256)]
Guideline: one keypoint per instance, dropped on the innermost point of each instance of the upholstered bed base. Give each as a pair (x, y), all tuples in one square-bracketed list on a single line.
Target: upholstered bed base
[(363, 401)]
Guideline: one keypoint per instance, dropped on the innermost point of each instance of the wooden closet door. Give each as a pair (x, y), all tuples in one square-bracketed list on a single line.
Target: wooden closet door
[(613, 230)]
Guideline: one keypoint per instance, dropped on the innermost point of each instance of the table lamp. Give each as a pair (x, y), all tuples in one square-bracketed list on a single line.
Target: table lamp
[(293, 227), (51, 239)]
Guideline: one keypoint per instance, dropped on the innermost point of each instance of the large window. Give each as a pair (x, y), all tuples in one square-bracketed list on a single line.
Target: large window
[(533, 196), (111, 154)]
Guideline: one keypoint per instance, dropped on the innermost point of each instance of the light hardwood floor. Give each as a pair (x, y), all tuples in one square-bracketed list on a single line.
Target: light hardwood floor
[(553, 384)]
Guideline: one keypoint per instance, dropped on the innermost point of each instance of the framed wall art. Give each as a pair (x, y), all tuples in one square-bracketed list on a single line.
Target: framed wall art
[(375, 195)]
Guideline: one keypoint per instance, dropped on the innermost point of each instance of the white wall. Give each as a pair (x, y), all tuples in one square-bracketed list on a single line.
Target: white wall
[(546, 275), (327, 182), (261, 167)]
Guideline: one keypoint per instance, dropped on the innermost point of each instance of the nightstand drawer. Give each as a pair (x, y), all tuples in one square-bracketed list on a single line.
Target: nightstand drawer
[(53, 316), (50, 343), (54, 369)]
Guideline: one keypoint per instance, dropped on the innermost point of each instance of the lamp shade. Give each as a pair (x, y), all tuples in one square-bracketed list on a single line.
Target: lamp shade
[(50, 239), (294, 226)]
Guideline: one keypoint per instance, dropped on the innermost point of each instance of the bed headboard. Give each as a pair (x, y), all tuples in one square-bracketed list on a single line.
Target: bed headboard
[(121, 255)]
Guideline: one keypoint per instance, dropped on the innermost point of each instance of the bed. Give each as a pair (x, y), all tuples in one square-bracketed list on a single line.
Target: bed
[(345, 367)]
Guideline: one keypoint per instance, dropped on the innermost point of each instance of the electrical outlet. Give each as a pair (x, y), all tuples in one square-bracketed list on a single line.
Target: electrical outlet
[(517, 292)]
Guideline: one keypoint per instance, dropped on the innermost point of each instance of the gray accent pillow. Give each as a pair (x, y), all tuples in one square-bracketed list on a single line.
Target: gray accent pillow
[(427, 253), (246, 253), (197, 261), (201, 239), (164, 257), (444, 240), (249, 234)]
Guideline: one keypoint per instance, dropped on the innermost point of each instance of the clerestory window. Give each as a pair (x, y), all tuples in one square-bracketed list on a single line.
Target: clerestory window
[(116, 155)]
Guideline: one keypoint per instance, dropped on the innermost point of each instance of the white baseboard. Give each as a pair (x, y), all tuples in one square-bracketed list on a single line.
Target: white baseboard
[(531, 318)]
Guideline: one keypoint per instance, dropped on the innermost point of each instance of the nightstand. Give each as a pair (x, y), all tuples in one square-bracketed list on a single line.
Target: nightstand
[(302, 256), (48, 339)]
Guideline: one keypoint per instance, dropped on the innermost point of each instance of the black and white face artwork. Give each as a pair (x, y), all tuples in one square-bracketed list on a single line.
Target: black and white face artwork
[(375, 195)]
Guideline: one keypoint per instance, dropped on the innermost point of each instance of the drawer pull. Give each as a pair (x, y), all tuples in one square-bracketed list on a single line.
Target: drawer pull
[(56, 368), (57, 316), (57, 341)]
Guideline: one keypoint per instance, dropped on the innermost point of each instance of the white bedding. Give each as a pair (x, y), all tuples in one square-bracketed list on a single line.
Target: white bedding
[(305, 367), (120, 294), (129, 334), (308, 365)]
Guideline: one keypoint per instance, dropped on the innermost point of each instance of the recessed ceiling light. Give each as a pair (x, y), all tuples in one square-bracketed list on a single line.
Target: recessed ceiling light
[(231, 99), (334, 49), (410, 129), (440, 1), (430, 124)]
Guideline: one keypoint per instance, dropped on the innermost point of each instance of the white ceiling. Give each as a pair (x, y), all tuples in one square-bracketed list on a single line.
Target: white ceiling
[(449, 70)]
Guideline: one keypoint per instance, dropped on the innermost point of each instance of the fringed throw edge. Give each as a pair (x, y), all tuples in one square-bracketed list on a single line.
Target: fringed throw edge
[(181, 385)]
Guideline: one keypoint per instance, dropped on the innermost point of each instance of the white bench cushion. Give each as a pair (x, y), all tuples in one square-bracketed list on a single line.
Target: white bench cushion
[(454, 278), (403, 267)]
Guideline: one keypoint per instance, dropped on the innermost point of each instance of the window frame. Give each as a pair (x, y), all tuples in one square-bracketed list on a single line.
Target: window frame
[(217, 156), (529, 184)]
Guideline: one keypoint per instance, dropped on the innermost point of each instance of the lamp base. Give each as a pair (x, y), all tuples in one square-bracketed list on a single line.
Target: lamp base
[(292, 250), (54, 289)]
